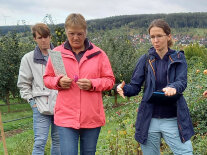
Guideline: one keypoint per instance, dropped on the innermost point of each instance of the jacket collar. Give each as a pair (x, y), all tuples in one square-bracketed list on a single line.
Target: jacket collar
[(153, 52), (87, 44), (176, 56), (38, 57), (172, 54)]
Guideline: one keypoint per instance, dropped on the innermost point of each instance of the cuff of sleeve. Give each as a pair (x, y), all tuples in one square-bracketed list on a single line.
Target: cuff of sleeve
[(29, 99), (172, 86), (115, 88), (58, 79), (32, 102), (93, 88), (125, 90)]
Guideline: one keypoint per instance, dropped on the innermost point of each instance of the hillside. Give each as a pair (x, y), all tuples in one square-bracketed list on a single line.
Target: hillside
[(176, 20), (17, 28)]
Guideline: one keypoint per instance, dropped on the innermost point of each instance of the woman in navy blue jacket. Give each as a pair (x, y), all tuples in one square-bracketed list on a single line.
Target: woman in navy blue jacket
[(165, 70)]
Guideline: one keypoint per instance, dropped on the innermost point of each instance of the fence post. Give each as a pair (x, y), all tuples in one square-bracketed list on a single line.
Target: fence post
[(3, 136)]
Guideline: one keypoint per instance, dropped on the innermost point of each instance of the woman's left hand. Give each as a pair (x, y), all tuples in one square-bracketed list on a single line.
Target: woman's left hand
[(84, 84), (169, 91)]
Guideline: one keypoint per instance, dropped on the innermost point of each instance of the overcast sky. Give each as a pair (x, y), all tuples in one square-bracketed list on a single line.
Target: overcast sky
[(13, 12)]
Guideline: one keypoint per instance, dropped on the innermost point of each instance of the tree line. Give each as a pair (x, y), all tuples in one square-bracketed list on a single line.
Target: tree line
[(175, 20)]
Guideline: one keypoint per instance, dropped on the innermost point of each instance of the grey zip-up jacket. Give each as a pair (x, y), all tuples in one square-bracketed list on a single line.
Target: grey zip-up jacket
[(30, 82)]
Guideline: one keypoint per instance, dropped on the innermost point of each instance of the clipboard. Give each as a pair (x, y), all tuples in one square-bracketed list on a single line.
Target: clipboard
[(158, 97), (57, 62)]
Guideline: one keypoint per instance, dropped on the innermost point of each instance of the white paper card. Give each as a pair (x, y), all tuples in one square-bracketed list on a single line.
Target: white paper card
[(57, 62)]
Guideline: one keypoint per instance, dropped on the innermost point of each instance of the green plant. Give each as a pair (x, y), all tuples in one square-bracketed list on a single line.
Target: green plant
[(116, 137), (196, 50), (12, 48), (197, 84), (59, 36), (122, 51), (9, 64), (199, 144)]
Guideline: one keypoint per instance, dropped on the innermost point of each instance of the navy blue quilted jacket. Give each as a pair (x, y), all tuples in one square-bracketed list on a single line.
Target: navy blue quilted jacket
[(176, 78)]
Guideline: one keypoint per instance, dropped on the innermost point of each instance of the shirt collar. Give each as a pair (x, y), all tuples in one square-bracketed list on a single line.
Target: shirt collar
[(38, 57)]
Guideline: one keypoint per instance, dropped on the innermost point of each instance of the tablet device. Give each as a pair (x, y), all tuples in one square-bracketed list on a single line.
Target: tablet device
[(160, 98)]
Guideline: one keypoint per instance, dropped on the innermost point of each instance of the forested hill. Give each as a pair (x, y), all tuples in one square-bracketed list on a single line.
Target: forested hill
[(17, 28), (175, 20)]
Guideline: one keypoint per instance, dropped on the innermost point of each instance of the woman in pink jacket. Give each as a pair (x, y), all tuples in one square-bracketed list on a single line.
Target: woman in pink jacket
[(79, 111)]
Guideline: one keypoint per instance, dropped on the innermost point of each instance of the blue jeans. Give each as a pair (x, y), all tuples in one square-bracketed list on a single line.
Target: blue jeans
[(41, 127), (168, 129), (69, 139)]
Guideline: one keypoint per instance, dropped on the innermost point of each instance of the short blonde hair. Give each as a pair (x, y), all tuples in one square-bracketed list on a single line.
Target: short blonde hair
[(75, 20)]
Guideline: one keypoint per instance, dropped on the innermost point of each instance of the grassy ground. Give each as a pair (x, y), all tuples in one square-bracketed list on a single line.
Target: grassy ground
[(116, 137)]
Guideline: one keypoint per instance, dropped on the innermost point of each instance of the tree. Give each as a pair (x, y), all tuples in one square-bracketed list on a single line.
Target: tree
[(11, 51), (59, 36)]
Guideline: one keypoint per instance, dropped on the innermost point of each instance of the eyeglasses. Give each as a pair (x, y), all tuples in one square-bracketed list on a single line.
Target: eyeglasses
[(79, 35), (158, 37)]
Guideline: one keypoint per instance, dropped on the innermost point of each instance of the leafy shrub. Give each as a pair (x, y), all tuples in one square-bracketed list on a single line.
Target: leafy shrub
[(12, 47), (199, 142), (59, 36), (119, 136), (195, 50), (197, 84), (121, 52)]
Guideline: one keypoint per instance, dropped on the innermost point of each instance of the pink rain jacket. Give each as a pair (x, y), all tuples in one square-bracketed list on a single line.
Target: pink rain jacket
[(78, 108)]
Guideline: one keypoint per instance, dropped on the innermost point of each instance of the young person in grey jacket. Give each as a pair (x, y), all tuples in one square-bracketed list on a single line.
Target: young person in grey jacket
[(32, 89)]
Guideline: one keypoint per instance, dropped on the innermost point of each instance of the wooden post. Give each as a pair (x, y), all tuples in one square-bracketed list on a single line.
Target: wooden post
[(7, 102), (3, 136), (115, 99)]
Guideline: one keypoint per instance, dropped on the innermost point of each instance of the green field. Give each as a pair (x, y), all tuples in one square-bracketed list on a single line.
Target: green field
[(116, 137)]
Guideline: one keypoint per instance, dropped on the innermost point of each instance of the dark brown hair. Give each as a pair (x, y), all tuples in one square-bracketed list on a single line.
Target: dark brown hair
[(42, 29), (163, 25)]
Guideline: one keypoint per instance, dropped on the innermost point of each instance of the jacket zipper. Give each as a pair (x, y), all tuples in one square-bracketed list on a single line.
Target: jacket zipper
[(168, 69), (43, 86), (179, 126)]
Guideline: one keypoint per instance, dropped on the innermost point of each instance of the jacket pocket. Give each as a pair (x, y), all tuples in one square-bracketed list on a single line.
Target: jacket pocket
[(45, 101), (38, 92), (52, 100)]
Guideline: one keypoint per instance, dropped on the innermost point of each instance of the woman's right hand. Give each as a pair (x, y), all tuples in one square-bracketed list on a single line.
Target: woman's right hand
[(205, 93), (119, 89), (65, 82)]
